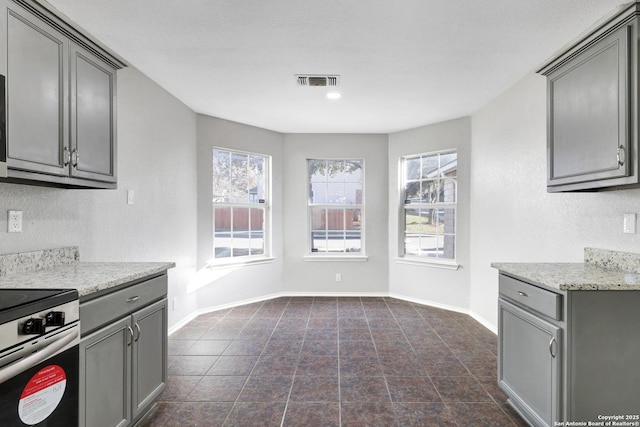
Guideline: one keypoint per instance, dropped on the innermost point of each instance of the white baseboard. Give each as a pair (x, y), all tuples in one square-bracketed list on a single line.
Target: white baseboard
[(477, 317)]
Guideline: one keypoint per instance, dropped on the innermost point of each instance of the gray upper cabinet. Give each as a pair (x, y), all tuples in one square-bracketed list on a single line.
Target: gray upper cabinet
[(93, 148), (592, 96), (61, 100)]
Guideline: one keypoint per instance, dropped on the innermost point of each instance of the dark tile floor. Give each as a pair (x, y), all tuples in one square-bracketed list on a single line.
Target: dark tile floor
[(306, 361)]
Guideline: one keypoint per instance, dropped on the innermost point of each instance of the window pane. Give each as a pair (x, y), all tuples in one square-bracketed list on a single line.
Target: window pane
[(335, 241), (430, 190), (429, 245), (318, 219), (448, 164), (353, 219), (335, 170), (240, 219), (353, 241), (335, 192), (222, 219), (412, 191), (448, 221), (318, 241), (256, 179), (335, 219), (412, 167), (353, 193), (430, 166), (318, 170), (318, 193), (447, 191), (412, 220)]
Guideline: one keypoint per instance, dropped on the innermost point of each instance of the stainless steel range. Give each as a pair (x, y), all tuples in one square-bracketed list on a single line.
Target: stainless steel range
[(39, 337)]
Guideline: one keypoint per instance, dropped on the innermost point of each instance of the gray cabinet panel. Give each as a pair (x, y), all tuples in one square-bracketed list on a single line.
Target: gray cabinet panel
[(36, 94), (92, 116), (527, 367), (149, 355), (105, 364), (592, 98)]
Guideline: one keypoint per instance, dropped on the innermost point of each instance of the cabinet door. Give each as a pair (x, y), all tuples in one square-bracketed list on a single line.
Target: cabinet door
[(589, 116), (36, 94), (93, 91), (149, 355), (529, 363), (105, 376)]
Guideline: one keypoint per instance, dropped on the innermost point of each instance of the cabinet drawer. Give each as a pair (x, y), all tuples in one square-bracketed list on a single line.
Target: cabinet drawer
[(538, 299), (107, 308)]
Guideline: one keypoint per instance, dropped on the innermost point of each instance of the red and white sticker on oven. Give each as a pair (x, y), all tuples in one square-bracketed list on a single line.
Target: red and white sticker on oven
[(42, 395)]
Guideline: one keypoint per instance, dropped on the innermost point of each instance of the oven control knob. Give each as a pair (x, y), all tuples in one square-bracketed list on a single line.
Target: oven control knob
[(55, 318), (33, 326)]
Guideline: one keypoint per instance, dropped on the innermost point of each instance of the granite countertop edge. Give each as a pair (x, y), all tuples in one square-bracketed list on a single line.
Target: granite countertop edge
[(87, 277), (572, 276)]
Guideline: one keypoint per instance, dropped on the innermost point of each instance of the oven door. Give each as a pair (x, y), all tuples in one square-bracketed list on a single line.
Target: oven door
[(41, 388)]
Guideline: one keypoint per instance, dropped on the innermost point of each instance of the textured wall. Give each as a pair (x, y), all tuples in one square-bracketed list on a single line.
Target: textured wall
[(319, 277), (156, 159), (428, 283), (513, 218), (235, 284)]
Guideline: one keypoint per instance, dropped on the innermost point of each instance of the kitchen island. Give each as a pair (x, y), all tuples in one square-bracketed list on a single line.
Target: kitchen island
[(569, 339), (123, 324)]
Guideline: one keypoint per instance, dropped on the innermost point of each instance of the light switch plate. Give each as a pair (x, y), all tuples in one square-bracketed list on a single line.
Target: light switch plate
[(629, 226)]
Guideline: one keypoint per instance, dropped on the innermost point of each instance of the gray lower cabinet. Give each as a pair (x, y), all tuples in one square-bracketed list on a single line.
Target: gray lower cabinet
[(592, 109), (123, 361), (530, 363), (61, 99), (568, 356)]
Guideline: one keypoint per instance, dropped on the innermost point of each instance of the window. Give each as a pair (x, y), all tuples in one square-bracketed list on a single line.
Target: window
[(429, 211), (240, 205), (335, 206)]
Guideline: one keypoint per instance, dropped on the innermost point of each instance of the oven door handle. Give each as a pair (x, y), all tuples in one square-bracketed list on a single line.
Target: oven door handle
[(62, 341)]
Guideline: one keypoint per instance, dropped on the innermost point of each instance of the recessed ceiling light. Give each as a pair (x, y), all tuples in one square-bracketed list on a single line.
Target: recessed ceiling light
[(334, 95)]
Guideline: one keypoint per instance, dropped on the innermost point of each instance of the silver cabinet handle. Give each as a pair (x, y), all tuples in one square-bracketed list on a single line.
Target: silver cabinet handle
[(133, 299), (137, 329), (67, 159), (522, 294), (621, 160), (76, 156), (553, 340), (130, 333)]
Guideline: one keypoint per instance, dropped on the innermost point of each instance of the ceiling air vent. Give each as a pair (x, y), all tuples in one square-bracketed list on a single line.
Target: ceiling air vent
[(317, 80)]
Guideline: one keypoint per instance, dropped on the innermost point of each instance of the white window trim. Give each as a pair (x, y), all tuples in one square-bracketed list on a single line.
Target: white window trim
[(266, 257), (409, 259), (337, 256)]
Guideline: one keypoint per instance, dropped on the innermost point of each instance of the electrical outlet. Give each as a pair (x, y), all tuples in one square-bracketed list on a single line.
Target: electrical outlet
[(130, 195), (14, 223), (629, 225), (338, 277), (175, 304)]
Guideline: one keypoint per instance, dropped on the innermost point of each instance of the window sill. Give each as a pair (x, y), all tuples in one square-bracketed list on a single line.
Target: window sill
[(325, 258), (429, 263), (240, 263)]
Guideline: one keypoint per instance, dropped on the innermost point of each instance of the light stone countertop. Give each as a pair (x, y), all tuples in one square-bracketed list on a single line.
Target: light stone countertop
[(572, 276), (87, 277), (602, 270)]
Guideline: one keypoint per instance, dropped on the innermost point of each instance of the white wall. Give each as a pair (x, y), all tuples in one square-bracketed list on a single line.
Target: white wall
[(302, 276), (427, 283), (513, 218), (156, 159), (235, 284)]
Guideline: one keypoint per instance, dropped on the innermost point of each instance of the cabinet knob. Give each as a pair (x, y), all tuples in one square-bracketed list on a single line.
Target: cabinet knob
[(621, 159), (138, 330), (76, 157), (133, 299), (522, 294), (553, 340), (67, 154), (131, 334)]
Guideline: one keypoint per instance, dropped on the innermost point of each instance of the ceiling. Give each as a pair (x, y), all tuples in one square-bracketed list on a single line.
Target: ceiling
[(402, 63)]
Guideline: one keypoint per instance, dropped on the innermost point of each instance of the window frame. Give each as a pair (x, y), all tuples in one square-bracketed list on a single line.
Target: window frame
[(405, 204), (335, 256), (263, 204)]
